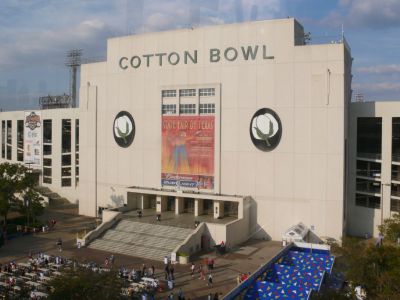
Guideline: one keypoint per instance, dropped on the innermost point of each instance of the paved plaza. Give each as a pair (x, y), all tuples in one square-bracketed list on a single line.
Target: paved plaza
[(246, 258)]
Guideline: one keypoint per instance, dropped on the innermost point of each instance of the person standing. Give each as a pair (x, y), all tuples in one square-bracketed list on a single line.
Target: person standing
[(171, 271), (192, 268), (166, 270), (201, 271), (180, 295), (379, 240), (210, 280), (59, 244), (238, 279)]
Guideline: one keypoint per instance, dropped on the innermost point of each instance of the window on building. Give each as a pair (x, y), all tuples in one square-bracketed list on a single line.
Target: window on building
[(66, 135), (65, 181), (169, 109), (168, 93), (395, 189), (368, 186), (66, 160), (9, 139), (207, 92), (368, 201), (47, 172), (187, 109), (47, 162), (207, 108), (76, 152), (46, 149), (368, 169), (66, 171), (47, 180), (47, 136), (187, 92), (20, 140), (76, 176), (76, 135), (47, 131), (395, 205), (396, 172), (396, 139), (3, 139), (369, 138)]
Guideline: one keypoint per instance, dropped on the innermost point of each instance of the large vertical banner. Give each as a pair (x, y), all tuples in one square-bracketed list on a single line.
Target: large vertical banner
[(187, 157), (33, 138)]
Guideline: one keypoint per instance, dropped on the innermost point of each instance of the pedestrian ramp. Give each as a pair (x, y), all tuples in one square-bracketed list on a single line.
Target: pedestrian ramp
[(139, 239)]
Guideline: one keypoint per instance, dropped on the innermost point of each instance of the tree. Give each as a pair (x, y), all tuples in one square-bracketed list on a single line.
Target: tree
[(391, 228), (14, 182), (375, 268), (332, 295), (31, 206), (86, 284)]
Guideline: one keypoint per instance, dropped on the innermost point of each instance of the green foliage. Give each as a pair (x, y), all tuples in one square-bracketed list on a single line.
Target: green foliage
[(86, 284), (332, 295), (15, 180), (32, 206), (375, 268), (391, 228)]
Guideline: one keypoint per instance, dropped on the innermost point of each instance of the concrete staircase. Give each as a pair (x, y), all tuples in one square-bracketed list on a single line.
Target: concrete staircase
[(141, 239)]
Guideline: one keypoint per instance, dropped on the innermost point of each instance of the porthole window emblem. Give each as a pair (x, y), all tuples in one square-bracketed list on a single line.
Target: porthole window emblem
[(265, 129), (124, 129)]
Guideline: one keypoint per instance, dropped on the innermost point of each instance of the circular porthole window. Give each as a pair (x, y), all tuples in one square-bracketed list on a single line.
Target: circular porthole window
[(265, 129), (124, 129)]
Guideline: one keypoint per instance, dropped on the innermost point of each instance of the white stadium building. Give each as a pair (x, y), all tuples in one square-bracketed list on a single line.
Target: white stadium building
[(245, 124)]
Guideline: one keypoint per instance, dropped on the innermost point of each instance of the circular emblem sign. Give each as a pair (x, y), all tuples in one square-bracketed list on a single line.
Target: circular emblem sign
[(265, 129), (124, 129)]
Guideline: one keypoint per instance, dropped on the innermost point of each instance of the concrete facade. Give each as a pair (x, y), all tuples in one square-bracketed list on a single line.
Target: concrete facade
[(306, 85), (70, 190), (363, 220)]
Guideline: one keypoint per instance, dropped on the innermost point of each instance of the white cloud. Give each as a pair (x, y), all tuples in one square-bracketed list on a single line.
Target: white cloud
[(381, 69), (48, 47), (377, 87), (375, 14)]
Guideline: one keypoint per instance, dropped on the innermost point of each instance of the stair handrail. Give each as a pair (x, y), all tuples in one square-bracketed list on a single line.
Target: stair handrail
[(195, 233), (95, 233)]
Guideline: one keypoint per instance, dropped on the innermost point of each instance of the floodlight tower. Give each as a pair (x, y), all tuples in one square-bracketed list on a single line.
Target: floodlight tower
[(74, 59)]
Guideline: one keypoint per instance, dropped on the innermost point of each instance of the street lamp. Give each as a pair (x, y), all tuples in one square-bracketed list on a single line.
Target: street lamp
[(382, 185)]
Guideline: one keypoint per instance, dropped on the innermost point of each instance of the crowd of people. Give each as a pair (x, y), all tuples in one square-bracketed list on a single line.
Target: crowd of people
[(30, 278), (33, 278)]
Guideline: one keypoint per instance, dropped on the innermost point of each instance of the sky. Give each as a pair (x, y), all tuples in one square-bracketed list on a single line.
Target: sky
[(35, 36)]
